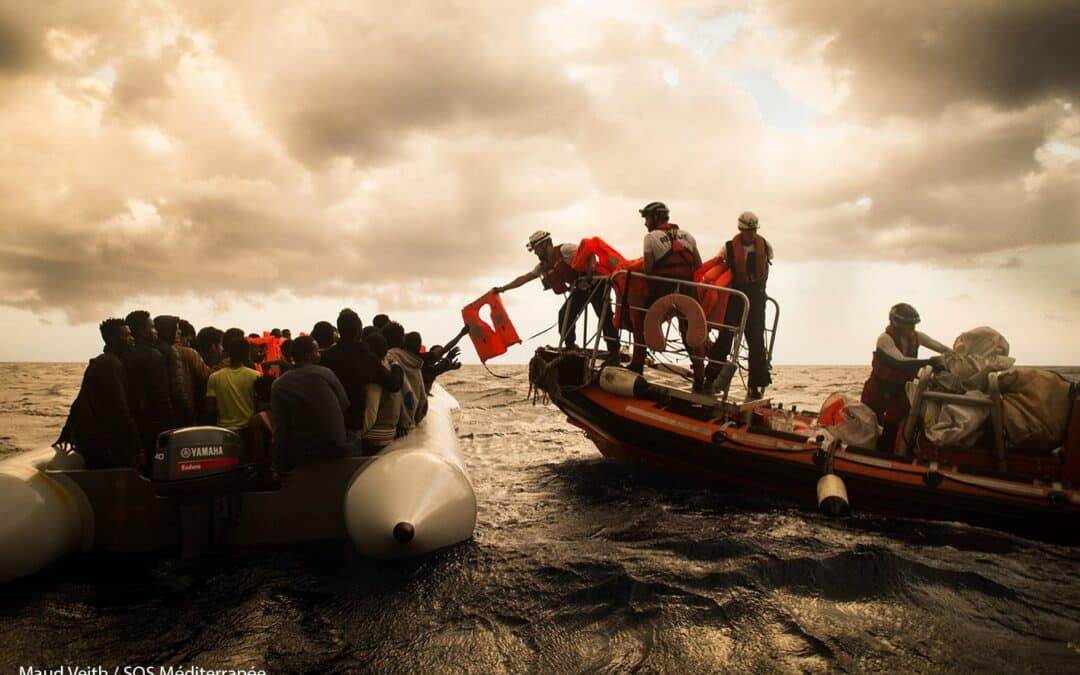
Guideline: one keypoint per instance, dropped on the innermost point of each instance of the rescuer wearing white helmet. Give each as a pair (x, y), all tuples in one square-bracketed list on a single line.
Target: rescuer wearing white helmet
[(748, 256), (896, 362), (557, 275)]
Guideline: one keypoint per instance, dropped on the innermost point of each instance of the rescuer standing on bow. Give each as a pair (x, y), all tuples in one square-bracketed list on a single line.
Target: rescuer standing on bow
[(749, 256), (557, 274), (672, 253)]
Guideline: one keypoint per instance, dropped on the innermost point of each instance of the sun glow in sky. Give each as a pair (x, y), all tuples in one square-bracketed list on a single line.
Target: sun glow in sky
[(264, 164)]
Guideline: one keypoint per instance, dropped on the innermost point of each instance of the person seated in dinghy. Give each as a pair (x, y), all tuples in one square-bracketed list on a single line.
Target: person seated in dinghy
[(307, 405), (557, 274), (894, 364)]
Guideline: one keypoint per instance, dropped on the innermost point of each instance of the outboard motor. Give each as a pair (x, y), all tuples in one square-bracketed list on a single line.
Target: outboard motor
[(203, 471)]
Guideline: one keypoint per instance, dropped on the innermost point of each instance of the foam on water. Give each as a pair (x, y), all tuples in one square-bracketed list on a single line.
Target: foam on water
[(578, 564)]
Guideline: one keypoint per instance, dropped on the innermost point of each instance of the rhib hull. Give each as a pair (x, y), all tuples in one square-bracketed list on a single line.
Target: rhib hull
[(717, 452)]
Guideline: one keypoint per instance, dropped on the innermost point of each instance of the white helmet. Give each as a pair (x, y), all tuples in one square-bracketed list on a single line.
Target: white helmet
[(748, 221), (536, 238)]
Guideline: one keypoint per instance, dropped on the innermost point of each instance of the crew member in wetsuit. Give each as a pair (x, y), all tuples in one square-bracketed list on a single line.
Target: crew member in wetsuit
[(670, 252), (557, 274), (100, 426), (895, 363), (749, 256)]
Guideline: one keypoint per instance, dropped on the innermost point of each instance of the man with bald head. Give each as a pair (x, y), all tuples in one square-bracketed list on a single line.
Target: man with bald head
[(749, 257)]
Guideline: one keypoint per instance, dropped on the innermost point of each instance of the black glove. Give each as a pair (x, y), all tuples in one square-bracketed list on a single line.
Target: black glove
[(937, 363)]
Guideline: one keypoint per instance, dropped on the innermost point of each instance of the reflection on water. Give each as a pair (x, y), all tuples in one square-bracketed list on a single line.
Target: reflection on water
[(578, 564)]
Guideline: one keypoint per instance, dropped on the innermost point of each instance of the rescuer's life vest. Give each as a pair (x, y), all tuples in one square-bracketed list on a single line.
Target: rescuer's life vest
[(678, 262), (748, 269), (559, 276)]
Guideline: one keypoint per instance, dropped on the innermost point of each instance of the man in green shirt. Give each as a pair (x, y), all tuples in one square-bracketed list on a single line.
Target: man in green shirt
[(230, 392)]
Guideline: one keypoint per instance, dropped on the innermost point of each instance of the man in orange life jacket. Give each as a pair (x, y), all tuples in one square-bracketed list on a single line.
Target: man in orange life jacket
[(749, 256), (670, 252), (557, 274), (895, 363)]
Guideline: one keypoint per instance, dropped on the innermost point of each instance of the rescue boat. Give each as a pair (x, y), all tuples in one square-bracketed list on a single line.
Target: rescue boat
[(656, 420), (411, 498)]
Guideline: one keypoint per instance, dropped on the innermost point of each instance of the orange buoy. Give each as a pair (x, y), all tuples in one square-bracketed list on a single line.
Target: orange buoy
[(489, 340)]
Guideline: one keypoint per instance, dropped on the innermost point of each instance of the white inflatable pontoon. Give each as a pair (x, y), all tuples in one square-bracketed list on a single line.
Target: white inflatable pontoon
[(413, 497)]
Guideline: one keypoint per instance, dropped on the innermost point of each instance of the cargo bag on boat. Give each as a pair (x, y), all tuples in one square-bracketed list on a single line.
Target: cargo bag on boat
[(1035, 406), (850, 420), (976, 353), (954, 424)]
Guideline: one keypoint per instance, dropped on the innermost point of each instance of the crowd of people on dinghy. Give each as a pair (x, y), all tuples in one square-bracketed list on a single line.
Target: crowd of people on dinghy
[(344, 389)]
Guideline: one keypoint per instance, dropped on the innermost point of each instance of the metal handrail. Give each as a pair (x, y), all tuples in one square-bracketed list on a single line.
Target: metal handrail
[(606, 286)]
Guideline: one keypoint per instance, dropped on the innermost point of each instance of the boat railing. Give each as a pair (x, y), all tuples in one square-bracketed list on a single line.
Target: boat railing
[(674, 356)]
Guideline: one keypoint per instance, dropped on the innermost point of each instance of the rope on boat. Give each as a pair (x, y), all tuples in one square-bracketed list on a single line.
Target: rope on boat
[(493, 374)]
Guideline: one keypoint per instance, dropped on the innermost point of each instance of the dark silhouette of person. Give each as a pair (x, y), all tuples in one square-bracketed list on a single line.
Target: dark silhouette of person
[(308, 406), (148, 383), (168, 336), (100, 425), (355, 367)]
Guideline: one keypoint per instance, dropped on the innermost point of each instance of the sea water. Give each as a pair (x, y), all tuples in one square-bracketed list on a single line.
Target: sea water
[(579, 564)]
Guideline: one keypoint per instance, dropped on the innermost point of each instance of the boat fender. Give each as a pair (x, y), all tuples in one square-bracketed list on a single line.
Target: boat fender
[(932, 478), (622, 382), (665, 308), (832, 496)]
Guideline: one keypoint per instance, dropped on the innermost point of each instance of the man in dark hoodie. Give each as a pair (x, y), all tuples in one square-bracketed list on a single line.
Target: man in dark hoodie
[(168, 338), (100, 425), (148, 385), (356, 367)]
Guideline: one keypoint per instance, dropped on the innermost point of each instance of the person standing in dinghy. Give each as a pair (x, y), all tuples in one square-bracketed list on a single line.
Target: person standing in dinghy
[(896, 362), (557, 274)]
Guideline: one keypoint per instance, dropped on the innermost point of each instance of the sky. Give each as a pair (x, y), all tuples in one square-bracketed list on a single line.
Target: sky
[(264, 164)]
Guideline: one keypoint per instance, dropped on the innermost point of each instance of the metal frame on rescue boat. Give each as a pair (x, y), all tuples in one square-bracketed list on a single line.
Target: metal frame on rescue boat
[(674, 346)]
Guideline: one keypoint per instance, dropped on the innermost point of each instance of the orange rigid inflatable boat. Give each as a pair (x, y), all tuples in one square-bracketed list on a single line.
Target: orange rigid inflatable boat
[(656, 420)]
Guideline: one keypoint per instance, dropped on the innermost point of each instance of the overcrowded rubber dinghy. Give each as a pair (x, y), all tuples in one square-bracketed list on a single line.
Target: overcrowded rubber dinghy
[(411, 498), (657, 420)]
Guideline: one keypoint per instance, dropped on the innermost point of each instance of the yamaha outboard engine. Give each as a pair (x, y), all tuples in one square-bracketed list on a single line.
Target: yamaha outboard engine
[(204, 471)]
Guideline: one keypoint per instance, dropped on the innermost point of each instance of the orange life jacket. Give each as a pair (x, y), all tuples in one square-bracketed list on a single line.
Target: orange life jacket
[(558, 275), (758, 259), (607, 259), (490, 341), (678, 262), (716, 273), (630, 291)]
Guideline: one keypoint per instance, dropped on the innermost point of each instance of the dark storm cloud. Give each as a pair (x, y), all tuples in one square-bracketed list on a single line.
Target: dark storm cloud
[(921, 57)]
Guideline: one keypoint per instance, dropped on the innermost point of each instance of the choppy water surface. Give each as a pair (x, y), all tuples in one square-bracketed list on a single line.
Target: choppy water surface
[(578, 564)]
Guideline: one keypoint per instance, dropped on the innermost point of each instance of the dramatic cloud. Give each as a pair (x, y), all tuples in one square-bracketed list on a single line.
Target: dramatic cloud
[(922, 57), (406, 151)]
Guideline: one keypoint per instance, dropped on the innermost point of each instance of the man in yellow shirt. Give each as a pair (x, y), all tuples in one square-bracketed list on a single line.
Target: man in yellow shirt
[(230, 392)]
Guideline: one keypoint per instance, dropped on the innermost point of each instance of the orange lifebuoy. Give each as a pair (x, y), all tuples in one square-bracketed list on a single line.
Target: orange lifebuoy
[(490, 341), (667, 307)]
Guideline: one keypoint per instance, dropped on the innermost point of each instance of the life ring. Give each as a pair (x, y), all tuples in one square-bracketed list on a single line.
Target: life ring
[(667, 307)]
